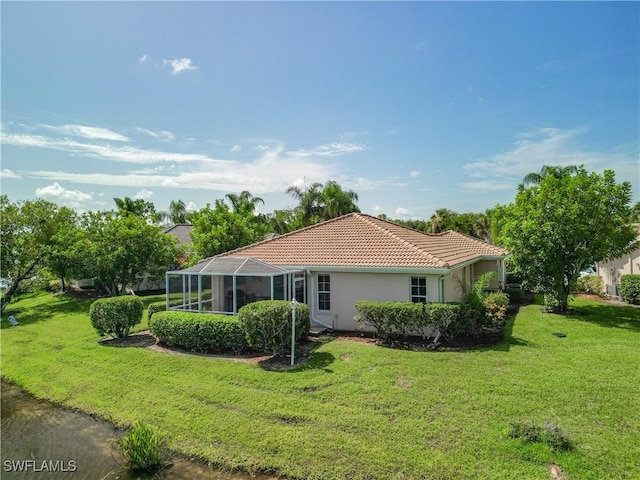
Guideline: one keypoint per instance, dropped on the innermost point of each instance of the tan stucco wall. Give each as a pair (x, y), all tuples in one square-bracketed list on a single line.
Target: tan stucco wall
[(484, 266), (612, 270), (348, 288)]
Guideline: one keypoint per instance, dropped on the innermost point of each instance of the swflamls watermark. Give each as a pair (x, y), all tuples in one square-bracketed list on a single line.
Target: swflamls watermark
[(39, 466)]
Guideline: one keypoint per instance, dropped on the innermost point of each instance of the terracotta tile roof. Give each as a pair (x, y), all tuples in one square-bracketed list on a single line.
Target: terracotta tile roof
[(360, 240)]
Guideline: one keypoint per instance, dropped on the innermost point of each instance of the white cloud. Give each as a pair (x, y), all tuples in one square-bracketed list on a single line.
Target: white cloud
[(93, 133), (403, 213), (235, 148), (330, 150), (548, 146), (6, 173), (191, 207), (56, 191), (144, 194), (414, 173), (163, 135), (378, 209), (262, 147), (143, 58), (107, 152), (179, 65)]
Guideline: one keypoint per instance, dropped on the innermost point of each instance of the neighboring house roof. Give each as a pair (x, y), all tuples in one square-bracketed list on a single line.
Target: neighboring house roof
[(182, 232), (360, 240)]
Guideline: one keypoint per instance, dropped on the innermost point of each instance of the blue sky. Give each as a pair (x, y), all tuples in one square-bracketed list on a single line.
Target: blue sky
[(415, 106)]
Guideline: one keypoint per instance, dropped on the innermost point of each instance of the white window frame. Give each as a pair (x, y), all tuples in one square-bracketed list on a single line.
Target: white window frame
[(418, 298), (321, 291)]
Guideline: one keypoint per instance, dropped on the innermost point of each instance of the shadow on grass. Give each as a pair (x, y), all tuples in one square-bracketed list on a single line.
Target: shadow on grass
[(45, 311), (605, 315), (314, 360), (508, 339)]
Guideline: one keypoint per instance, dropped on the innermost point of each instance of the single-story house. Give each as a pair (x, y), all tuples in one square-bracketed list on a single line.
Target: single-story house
[(611, 270), (332, 265)]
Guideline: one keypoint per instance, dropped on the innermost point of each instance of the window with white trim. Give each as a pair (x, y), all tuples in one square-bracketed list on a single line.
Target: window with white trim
[(419, 289), (324, 292)]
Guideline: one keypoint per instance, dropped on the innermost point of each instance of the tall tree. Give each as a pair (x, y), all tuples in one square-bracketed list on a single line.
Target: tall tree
[(336, 201), (566, 222), (138, 207), (558, 171), (124, 249), (26, 232), (220, 229), (318, 202), (244, 203), (178, 213)]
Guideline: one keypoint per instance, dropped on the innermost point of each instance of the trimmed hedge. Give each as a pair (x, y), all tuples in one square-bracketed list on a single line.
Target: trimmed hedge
[(630, 289), (160, 306), (516, 295), (405, 318), (115, 316), (267, 325), (591, 284), (198, 332)]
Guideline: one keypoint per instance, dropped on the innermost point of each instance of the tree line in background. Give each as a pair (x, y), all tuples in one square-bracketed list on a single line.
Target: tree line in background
[(563, 218)]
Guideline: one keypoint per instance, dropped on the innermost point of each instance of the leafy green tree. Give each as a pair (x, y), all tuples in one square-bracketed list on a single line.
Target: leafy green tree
[(122, 250), (220, 229), (65, 258), (282, 221), (634, 217), (557, 227), (26, 232)]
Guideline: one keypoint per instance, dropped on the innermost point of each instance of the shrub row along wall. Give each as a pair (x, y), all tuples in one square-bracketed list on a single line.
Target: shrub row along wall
[(199, 332), (487, 313), (630, 289), (407, 318), (264, 326)]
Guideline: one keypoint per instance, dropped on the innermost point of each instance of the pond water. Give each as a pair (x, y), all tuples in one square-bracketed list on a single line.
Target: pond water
[(41, 440)]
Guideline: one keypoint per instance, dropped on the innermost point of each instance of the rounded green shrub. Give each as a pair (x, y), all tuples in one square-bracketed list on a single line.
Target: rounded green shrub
[(267, 324), (630, 289), (198, 332), (115, 316), (160, 306), (591, 284)]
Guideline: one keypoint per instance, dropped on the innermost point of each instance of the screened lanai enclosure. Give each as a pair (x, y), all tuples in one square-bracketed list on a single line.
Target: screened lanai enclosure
[(225, 284)]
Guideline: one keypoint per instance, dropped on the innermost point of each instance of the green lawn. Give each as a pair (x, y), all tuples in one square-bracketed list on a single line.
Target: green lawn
[(357, 410)]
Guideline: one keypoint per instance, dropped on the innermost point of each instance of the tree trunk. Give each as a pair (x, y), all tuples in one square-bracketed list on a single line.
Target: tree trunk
[(16, 283)]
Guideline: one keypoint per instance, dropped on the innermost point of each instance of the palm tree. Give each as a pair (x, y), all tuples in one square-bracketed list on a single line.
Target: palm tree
[(308, 209), (535, 178), (439, 220), (244, 203), (336, 201), (178, 212)]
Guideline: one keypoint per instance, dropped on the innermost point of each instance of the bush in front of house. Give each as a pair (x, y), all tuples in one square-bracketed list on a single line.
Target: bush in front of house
[(267, 324), (630, 289), (198, 332), (406, 318), (160, 306), (591, 284), (115, 316), (516, 295), (496, 310)]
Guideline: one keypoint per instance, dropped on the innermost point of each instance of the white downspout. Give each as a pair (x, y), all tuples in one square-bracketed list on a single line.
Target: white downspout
[(312, 304)]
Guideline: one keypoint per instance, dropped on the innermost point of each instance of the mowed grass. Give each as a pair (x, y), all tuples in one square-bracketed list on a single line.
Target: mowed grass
[(356, 410)]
